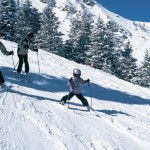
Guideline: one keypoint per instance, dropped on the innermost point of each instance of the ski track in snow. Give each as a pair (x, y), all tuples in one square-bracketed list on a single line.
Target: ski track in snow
[(31, 118)]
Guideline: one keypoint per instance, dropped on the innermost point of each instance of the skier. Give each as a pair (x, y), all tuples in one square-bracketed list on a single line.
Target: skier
[(23, 46), (75, 83), (5, 52)]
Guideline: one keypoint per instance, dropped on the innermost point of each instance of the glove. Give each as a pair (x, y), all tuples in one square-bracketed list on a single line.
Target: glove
[(11, 53), (36, 49), (70, 80), (88, 80), (26, 46)]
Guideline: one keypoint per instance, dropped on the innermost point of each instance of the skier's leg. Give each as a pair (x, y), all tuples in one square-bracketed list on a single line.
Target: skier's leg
[(67, 97), (82, 99), (20, 63), (25, 57), (1, 78)]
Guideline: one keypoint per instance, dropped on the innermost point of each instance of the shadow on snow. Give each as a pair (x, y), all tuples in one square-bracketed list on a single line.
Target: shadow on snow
[(54, 84)]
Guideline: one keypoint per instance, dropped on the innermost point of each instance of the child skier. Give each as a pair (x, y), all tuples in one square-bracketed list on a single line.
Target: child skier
[(75, 83)]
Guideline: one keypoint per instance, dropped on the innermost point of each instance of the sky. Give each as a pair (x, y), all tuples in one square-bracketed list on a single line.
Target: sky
[(135, 10)]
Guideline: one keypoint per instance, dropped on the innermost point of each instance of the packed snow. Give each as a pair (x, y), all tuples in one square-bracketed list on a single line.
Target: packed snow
[(31, 118)]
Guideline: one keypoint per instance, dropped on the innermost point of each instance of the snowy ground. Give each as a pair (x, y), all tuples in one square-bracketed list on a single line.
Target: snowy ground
[(31, 118)]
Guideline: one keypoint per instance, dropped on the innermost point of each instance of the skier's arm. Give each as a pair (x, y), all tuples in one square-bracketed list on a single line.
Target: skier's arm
[(70, 82), (32, 47), (85, 81), (23, 44), (4, 51)]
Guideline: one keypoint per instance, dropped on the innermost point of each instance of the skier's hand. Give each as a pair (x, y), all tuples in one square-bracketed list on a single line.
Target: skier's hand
[(26, 46), (70, 80), (11, 53), (36, 49), (88, 80)]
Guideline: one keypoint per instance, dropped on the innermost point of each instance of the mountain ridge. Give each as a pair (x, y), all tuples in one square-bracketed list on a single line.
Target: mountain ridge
[(137, 32)]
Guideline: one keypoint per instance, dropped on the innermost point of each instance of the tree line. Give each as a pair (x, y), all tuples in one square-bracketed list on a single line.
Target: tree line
[(101, 45)]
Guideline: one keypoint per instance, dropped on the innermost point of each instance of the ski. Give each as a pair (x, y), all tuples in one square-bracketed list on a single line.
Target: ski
[(88, 111), (62, 104), (91, 111)]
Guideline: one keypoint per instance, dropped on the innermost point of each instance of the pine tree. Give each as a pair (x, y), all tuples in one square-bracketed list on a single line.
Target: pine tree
[(7, 19), (115, 45), (96, 50), (71, 44), (49, 38), (101, 52), (79, 36), (27, 19), (68, 50), (143, 78), (128, 68)]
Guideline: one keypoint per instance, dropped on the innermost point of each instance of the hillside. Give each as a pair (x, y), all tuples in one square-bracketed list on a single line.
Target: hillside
[(31, 118), (138, 33)]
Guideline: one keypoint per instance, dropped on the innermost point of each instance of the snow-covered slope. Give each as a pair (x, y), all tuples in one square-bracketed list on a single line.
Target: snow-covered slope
[(137, 32), (31, 118)]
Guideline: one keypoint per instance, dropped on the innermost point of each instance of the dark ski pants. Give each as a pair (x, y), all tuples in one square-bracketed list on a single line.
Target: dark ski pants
[(79, 96), (23, 58), (1, 78)]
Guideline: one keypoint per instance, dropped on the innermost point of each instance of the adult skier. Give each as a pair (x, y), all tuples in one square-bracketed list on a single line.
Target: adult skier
[(75, 83), (23, 46), (5, 52)]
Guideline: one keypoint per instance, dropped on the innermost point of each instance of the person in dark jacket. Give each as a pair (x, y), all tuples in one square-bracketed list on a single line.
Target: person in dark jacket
[(23, 46), (75, 83), (5, 52)]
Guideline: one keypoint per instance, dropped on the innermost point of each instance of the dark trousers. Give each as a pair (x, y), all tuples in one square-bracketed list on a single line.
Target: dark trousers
[(79, 96), (23, 58), (1, 78)]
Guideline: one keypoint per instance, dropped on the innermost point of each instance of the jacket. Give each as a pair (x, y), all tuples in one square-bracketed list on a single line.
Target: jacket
[(3, 49), (75, 84), (24, 45)]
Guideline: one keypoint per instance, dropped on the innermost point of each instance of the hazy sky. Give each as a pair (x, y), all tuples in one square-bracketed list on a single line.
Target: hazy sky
[(136, 10)]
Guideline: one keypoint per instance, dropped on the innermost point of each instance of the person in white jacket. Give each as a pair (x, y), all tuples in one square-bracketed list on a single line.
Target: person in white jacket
[(23, 46), (75, 83)]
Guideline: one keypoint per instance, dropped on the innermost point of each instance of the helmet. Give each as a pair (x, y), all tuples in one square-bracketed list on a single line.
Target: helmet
[(30, 34), (76, 72)]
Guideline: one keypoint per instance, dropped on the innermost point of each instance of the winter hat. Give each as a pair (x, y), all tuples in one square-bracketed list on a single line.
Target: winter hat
[(30, 34)]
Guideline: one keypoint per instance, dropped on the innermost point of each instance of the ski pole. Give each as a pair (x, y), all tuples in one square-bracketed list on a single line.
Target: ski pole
[(90, 93), (38, 64), (68, 101), (13, 61), (15, 66)]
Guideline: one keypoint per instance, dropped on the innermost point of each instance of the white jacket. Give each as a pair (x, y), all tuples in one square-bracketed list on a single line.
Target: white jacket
[(75, 84), (21, 46)]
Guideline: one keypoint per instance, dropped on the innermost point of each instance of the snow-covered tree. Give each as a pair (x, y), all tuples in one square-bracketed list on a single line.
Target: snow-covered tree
[(96, 50), (49, 38), (101, 51), (116, 45), (127, 69), (79, 36), (7, 19), (143, 74), (27, 19)]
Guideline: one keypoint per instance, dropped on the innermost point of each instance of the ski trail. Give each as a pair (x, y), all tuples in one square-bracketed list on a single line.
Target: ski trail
[(35, 116), (3, 98), (32, 115)]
